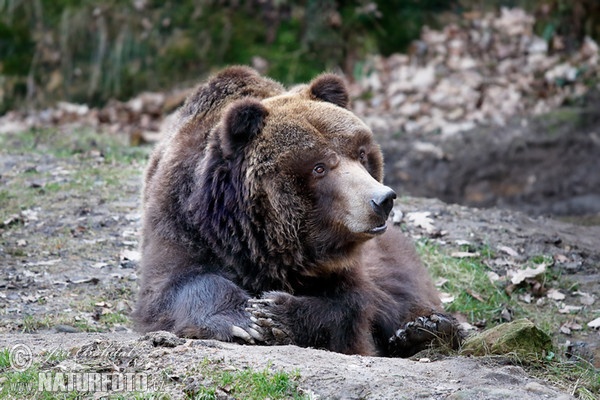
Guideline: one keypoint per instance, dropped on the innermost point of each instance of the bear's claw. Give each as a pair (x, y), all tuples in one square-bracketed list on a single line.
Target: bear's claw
[(271, 330), (435, 329), (249, 334)]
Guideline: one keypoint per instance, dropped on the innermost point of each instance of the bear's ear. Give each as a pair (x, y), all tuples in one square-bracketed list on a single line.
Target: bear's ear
[(242, 122), (330, 88)]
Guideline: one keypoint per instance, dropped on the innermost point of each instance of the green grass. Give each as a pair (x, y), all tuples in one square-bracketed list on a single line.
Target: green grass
[(114, 318), (468, 282), (578, 377), (4, 359), (84, 142), (26, 384), (246, 384), (32, 324)]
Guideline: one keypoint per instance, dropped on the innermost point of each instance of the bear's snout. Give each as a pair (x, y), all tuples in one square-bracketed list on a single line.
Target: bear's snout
[(383, 201)]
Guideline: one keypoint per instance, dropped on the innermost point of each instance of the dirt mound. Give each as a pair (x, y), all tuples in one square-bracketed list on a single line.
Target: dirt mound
[(323, 375)]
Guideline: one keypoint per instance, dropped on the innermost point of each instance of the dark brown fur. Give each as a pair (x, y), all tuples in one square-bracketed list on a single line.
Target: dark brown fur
[(247, 197)]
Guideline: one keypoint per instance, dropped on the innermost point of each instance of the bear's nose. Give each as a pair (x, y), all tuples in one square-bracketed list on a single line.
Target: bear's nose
[(383, 202)]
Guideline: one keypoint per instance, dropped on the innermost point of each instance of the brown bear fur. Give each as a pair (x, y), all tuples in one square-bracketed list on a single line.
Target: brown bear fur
[(259, 192)]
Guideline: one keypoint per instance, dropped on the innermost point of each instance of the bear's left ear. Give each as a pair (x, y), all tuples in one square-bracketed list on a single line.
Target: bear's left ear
[(330, 88), (243, 120)]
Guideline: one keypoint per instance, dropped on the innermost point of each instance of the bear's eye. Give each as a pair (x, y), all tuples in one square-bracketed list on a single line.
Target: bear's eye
[(362, 155), (319, 170)]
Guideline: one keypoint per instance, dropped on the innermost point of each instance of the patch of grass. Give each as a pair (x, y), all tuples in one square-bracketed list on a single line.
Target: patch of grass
[(578, 377), (4, 359), (142, 396), (247, 384), (32, 324), (475, 295), (55, 357), (83, 142), (20, 384), (114, 318)]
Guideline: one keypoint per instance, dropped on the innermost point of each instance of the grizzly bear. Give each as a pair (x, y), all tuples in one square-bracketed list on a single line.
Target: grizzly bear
[(265, 221)]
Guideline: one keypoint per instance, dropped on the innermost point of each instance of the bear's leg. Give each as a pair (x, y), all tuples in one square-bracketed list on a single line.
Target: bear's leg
[(212, 307)]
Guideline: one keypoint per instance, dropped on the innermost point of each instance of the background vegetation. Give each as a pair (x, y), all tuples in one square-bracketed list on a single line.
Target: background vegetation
[(92, 50)]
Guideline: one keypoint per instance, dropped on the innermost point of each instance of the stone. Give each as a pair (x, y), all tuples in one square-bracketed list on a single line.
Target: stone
[(519, 338)]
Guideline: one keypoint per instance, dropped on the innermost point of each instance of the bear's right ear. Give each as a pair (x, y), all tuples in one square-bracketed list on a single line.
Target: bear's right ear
[(242, 122), (330, 88)]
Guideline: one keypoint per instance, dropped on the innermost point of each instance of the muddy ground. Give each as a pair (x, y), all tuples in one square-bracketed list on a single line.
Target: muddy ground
[(69, 225)]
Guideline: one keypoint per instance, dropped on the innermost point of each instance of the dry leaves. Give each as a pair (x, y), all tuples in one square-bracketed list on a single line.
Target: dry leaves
[(555, 294), (484, 71), (568, 327), (521, 275), (595, 324), (464, 254), (422, 219)]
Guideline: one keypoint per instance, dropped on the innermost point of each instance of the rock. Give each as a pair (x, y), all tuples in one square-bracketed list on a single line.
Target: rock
[(520, 338), (163, 339), (65, 328)]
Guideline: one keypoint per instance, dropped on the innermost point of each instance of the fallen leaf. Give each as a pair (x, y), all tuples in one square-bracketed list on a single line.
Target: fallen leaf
[(573, 325), (475, 295), (446, 298), (440, 282), (462, 242), (565, 330), (29, 215), (521, 275), (509, 251), (555, 294), (493, 277), (594, 324), (585, 298), (526, 298), (467, 326), (570, 309), (464, 254), (422, 219)]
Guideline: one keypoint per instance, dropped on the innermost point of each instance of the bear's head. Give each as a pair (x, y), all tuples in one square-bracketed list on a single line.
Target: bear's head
[(306, 171)]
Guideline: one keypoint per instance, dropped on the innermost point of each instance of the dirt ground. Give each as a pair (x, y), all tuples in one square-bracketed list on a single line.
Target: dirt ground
[(324, 375), (545, 165), (69, 228)]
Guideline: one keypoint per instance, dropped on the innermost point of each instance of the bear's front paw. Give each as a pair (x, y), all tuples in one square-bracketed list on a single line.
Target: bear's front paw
[(433, 330), (270, 327)]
